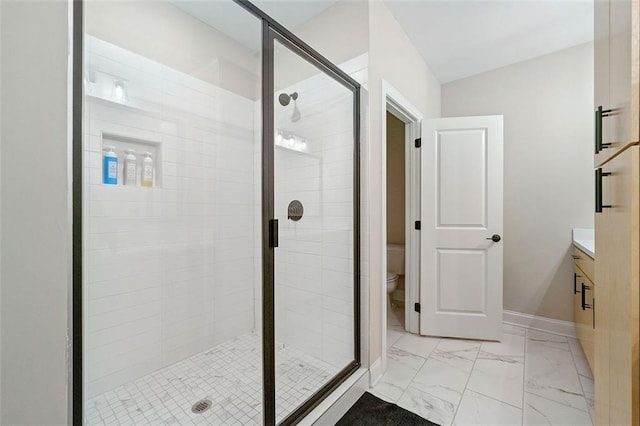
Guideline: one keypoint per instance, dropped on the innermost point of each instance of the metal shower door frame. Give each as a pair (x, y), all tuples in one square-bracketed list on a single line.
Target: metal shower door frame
[(271, 31)]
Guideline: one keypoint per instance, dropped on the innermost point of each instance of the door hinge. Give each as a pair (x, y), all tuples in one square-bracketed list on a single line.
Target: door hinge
[(273, 233), (416, 307), (418, 142), (418, 225)]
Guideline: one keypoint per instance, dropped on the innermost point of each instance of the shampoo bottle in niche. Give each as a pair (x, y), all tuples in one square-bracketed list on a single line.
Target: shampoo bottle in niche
[(110, 166), (147, 170), (130, 174)]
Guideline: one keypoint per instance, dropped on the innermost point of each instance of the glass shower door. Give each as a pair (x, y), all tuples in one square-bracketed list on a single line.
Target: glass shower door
[(171, 214), (314, 202), (202, 126)]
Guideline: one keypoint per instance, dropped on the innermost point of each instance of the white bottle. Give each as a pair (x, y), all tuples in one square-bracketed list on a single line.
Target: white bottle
[(147, 170), (130, 168)]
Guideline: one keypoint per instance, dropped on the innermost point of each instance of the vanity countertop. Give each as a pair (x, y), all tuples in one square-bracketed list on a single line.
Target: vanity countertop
[(583, 238)]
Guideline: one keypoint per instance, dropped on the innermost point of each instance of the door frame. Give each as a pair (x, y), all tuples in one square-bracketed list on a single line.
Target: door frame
[(396, 103)]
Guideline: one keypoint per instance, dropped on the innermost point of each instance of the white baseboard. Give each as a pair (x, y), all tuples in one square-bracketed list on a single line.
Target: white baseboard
[(375, 372), (534, 322), (329, 411)]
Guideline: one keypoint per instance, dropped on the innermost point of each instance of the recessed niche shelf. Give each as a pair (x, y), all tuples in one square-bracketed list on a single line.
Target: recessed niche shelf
[(140, 146)]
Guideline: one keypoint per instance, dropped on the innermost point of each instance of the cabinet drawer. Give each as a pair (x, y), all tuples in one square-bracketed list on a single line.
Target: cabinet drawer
[(584, 262)]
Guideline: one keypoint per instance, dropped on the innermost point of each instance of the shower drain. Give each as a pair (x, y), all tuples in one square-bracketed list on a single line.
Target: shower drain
[(201, 406)]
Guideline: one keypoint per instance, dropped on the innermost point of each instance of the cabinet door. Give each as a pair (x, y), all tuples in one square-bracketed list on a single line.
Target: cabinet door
[(601, 69), (617, 73), (583, 313), (584, 262), (617, 299), (624, 54)]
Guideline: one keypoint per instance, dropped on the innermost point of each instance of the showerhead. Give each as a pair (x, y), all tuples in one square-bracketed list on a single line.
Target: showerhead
[(284, 99)]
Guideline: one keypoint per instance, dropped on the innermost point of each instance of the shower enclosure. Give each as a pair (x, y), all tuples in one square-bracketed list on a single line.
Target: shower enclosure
[(216, 216)]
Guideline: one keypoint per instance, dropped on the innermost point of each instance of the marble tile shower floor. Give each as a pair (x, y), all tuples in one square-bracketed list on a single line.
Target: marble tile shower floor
[(229, 375), (530, 378)]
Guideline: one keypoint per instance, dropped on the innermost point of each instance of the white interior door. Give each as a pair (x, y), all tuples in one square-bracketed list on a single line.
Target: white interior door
[(461, 206)]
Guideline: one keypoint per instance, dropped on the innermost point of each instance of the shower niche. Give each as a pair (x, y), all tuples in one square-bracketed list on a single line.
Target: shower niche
[(139, 148)]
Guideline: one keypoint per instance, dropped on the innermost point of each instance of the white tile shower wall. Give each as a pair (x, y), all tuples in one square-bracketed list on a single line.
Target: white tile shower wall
[(314, 263), (170, 270)]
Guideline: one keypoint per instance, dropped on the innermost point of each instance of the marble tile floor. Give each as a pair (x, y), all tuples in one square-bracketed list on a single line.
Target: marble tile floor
[(530, 378), (229, 375)]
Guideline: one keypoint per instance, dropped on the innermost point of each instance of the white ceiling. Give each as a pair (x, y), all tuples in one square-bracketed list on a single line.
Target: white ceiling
[(461, 38), (456, 38)]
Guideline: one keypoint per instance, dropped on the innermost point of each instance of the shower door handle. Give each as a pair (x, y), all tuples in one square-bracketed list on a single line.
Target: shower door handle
[(273, 233)]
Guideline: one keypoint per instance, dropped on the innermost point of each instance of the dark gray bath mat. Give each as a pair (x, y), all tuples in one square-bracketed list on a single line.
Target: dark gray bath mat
[(370, 410)]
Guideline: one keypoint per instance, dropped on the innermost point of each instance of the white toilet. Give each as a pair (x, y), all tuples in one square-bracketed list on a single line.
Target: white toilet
[(395, 268)]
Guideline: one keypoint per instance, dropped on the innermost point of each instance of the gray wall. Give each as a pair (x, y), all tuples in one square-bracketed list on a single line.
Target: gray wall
[(394, 59), (547, 103), (35, 248), (395, 180), (339, 33)]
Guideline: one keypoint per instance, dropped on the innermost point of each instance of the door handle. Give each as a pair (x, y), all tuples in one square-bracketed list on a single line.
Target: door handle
[(585, 306), (600, 113), (575, 283), (599, 175), (495, 238)]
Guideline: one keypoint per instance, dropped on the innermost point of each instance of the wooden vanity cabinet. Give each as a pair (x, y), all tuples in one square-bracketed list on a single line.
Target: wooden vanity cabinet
[(583, 303)]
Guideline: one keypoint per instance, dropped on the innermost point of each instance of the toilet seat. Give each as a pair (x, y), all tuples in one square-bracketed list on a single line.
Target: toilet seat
[(391, 276)]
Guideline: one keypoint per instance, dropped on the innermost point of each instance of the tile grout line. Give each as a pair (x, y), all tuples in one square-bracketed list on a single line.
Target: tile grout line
[(526, 361), (499, 400), (524, 374), (466, 384), (575, 366), (560, 403), (493, 398), (416, 373)]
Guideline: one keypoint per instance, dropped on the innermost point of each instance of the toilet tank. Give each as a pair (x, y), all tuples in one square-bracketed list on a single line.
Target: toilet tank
[(395, 258)]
